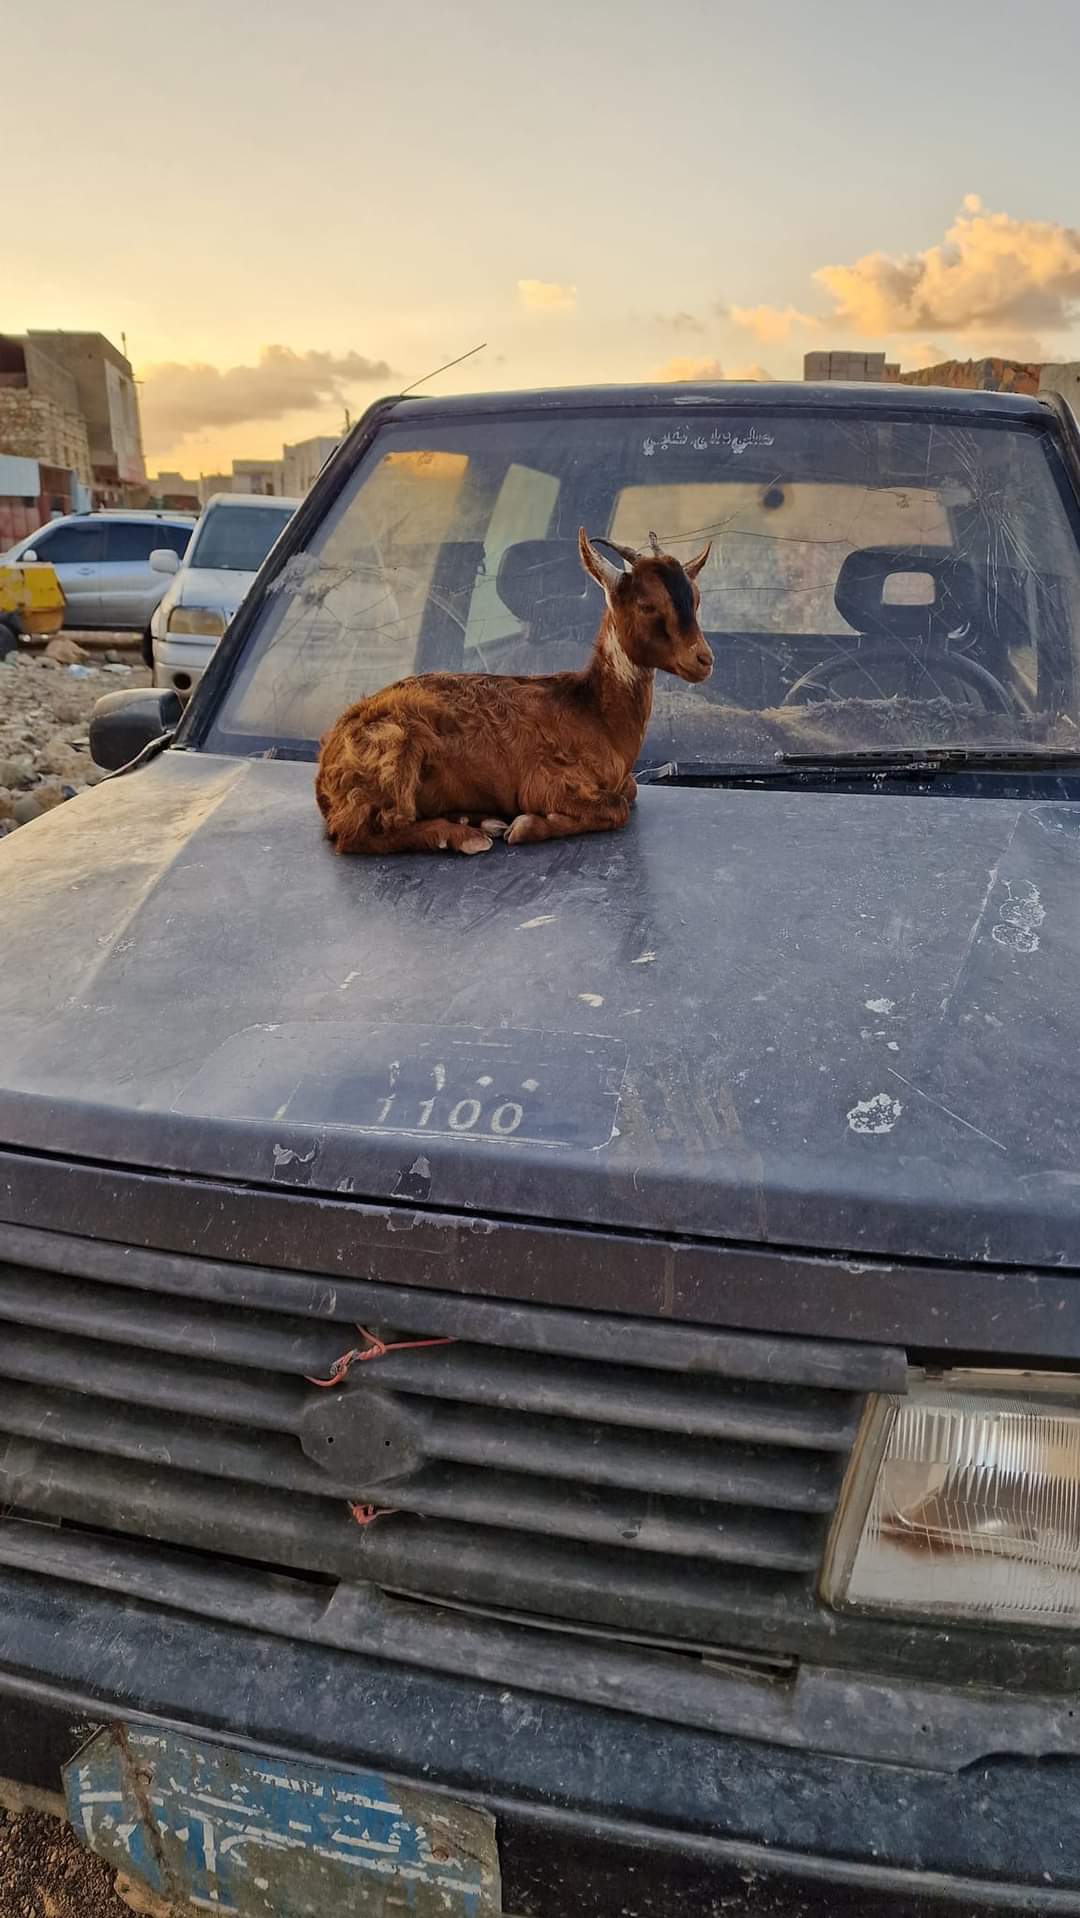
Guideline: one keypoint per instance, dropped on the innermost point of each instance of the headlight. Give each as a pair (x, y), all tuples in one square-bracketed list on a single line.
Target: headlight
[(196, 619), (963, 1501)]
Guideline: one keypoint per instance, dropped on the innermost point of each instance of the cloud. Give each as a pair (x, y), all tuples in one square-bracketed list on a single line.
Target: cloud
[(703, 369), (178, 399), (680, 322), (772, 325), (546, 296), (991, 271), (708, 369), (924, 353), (992, 280)]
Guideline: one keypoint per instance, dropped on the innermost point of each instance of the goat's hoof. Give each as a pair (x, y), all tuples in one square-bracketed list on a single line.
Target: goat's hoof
[(474, 842), (497, 828), (524, 829)]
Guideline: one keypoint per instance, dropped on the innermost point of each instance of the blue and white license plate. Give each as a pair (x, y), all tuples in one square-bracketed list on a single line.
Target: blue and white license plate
[(233, 1830)]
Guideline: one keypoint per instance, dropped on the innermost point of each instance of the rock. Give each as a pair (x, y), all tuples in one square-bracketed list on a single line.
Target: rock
[(65, 651), (26, 808), (60, 758), (47, 796), (16, 772)]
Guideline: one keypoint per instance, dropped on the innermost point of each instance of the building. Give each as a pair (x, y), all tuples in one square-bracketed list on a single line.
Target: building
[(866, 367), (989, 375), (984, 376), (303, 463), (257, 476), (109, 403), (45, 463), (211, 483), (173, 491), (1064, 378)]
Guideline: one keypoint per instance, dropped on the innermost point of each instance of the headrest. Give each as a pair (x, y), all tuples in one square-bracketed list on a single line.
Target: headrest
[(860, 593), (542, 581)]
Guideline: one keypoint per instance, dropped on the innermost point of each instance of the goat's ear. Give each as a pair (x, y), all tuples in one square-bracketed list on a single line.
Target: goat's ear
[(693, 566), (604, 571)]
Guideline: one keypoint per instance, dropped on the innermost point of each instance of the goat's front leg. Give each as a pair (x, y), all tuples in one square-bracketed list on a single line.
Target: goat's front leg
[(606, 813)]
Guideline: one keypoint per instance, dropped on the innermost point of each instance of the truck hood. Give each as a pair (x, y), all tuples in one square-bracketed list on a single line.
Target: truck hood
[(219, 589), (811, 1019)]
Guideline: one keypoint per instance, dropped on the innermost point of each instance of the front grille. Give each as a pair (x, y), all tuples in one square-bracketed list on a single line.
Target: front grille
[(527, 1462), (656, 1483)]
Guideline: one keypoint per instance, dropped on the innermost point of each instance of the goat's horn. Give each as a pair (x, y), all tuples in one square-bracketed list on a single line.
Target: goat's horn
[(656, 546), (625, 552)]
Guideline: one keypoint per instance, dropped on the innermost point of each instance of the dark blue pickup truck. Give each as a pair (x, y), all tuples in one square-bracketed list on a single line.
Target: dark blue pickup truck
[(550, 1384)]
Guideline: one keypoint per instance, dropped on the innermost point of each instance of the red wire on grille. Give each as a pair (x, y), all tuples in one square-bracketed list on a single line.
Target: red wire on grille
[(374, 1349)]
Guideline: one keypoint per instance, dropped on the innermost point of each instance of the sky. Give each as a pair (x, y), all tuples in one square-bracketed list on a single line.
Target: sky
[(289, 209)]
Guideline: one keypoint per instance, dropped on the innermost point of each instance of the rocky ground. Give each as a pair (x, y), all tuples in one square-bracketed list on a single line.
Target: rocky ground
[(46, 698), (46, 1873)]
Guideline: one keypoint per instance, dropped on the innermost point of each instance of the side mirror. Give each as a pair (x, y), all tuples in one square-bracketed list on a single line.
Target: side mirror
[(28, 558), (164, 560), (123, 724)]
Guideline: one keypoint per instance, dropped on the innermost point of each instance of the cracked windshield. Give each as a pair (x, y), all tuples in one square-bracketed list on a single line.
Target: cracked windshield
[(872, 583)]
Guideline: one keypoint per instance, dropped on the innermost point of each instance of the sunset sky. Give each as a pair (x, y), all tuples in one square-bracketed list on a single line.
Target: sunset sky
[(291, 208)]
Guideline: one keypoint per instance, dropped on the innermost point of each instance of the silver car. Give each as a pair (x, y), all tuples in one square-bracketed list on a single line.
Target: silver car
[(102, 561)]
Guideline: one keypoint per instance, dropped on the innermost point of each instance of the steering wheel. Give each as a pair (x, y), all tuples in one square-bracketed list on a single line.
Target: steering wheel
[(926, 660)]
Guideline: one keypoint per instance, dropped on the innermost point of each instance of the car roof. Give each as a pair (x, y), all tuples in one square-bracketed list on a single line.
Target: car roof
[(734, 396), (143, 516), (250, 499), (141, 513)]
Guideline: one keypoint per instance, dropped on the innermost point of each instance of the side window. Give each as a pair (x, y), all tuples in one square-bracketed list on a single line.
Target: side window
[(178, 538), (72, 545), (523, 510), (129, 541)]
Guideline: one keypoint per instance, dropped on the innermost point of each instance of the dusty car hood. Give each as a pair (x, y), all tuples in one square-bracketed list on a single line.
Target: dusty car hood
[(219, 589), (832, 1021)]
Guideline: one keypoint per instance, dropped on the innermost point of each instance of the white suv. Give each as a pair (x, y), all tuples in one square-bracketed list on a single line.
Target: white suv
[(231, 541), (102, 561)]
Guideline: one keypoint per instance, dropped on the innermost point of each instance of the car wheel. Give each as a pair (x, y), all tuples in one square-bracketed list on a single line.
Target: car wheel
[(148, 649), (9, 638)]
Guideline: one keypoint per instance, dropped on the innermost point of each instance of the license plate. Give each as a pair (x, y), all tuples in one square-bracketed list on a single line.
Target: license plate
[(235, 1830)]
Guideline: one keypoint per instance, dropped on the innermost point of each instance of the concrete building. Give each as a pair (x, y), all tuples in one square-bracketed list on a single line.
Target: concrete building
[(866, 367), (211, 483), (985, 376), (303, 463), (45, 462), (1063, 377), (257, 476), (173, 490), (109, 404)]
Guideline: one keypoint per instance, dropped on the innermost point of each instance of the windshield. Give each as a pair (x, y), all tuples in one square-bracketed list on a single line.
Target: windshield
[(873, 581), (236, 539)]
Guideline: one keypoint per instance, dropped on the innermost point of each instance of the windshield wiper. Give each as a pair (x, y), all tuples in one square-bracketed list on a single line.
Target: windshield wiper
[(896, 761), (704, 772), (923, 759)]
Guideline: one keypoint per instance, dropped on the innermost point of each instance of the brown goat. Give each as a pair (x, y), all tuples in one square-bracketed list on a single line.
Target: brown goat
[(451, 761)]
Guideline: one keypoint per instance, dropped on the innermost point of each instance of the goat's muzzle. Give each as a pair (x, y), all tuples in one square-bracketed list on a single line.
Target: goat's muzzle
[(696, 664)]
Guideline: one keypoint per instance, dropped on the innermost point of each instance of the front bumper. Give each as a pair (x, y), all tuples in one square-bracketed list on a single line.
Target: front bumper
[(598, 1812), (180, 662)]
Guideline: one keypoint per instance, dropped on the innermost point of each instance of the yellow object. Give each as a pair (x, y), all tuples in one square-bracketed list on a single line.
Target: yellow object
[(34, 594)]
